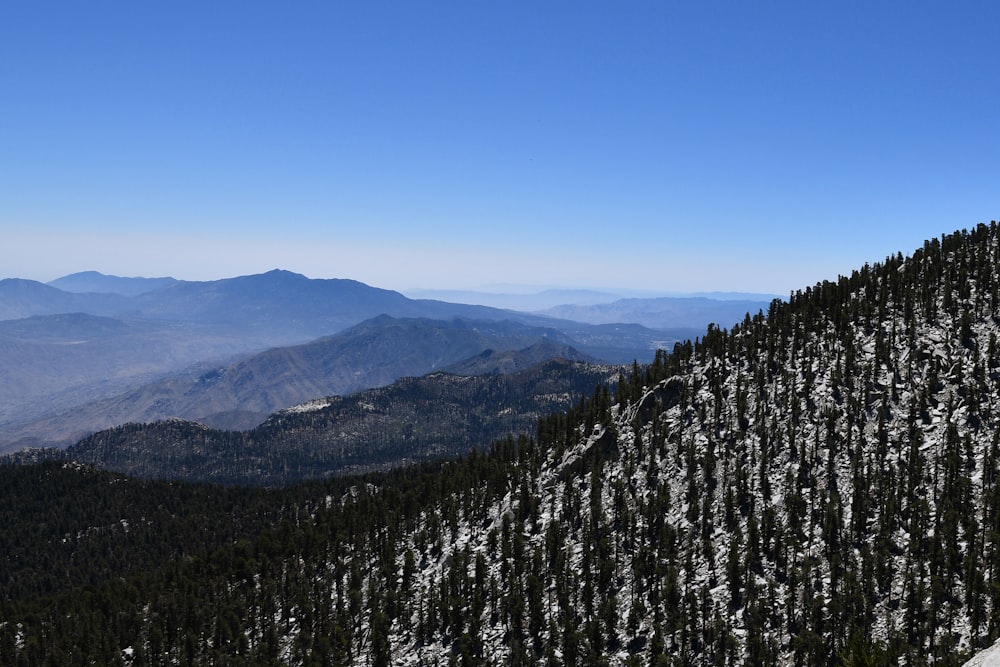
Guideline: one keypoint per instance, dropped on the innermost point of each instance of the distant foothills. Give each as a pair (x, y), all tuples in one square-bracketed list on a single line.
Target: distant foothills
[(90, 351)]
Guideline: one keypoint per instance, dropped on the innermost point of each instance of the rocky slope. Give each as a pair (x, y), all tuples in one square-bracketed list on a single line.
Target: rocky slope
[(813, 487)]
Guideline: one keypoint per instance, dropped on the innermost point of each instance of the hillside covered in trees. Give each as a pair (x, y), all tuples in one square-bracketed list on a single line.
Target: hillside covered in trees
[(413, 419), (819, 485)]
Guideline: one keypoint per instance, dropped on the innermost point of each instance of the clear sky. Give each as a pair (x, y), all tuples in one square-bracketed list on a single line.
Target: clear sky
[(675, 146)]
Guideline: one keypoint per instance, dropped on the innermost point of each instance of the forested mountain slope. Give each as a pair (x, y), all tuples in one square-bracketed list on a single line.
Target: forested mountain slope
[(241, 394), (413, 419), (814, 487)]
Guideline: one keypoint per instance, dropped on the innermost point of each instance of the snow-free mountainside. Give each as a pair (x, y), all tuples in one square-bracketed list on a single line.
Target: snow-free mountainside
[(75, 362), (819, 485), (413, 419)]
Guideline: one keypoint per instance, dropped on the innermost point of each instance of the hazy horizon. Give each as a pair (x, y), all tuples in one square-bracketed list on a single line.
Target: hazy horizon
[(513, 290), (669, 147)]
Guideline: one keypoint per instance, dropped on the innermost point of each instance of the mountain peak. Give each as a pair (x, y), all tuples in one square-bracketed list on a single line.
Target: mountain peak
[(283, 273), (96, 282)]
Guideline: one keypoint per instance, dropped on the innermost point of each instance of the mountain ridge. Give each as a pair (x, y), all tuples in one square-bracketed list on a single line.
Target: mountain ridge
[(96, 282), (65, 362), (413, 419), (661, 312), (242, 393)]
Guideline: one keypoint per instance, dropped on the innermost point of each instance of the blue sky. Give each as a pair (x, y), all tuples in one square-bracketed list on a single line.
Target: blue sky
[(657, 145)]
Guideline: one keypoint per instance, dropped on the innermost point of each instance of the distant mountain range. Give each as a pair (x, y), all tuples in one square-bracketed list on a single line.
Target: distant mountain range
[(93, 281), (522, 302), (655, 313), (412, 419), (281, 306), (90, 351), (52, 362), (543, 299), (242, 394), (26, 298)]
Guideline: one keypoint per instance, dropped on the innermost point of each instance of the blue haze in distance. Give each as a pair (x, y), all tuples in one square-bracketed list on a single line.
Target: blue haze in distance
[(662, 146)]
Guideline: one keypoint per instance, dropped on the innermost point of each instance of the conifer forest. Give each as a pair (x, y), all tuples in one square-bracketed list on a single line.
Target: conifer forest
[(817, 485)]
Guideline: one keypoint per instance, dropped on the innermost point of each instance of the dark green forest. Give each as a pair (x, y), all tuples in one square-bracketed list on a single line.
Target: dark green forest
[(412, 420), (816, 486)]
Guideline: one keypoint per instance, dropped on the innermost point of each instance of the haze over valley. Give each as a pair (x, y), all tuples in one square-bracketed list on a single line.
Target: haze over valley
[(228, 353)]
